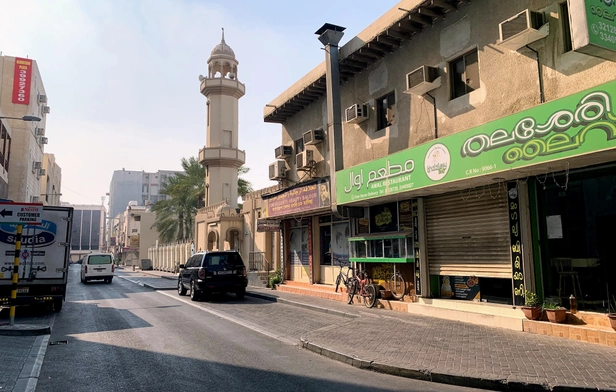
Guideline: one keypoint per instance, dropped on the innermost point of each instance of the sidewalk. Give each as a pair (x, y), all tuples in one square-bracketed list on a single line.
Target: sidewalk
[(449, 351)]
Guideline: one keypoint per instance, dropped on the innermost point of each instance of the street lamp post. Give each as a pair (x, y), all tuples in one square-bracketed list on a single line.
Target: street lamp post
[(24, 118)]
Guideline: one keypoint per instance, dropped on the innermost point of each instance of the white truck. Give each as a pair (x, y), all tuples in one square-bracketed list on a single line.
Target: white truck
[(43, 261)]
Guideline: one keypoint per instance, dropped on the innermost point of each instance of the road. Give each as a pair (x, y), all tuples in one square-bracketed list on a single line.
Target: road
[(124, 337)]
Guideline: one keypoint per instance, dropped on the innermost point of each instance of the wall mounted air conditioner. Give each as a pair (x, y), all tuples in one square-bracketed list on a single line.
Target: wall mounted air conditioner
[(314, 136), (42, 172), (34, 199), (522, 29), (46, 109), (40, 131), (422, 80), (278, 169), (42, 98), (304, 159), (43, 140), (356, 113), (283, 152), (36, 165)]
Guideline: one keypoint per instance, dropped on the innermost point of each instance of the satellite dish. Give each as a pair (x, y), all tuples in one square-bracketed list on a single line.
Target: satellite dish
[(201, 77)]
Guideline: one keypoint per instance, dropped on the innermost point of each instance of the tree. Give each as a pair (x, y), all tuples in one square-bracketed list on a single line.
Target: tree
[(175, 216)]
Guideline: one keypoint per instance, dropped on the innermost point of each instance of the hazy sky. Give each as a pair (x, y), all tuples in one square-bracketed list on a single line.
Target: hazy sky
[(121, 76)]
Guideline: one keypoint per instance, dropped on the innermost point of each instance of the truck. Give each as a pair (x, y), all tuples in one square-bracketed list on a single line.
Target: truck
[(43, 260)]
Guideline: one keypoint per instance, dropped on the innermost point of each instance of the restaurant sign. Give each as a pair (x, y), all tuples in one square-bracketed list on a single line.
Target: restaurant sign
[(593, 27), (579, 124), (301, 199)]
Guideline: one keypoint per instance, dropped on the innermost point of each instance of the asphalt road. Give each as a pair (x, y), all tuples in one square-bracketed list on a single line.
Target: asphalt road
[(124, 337)]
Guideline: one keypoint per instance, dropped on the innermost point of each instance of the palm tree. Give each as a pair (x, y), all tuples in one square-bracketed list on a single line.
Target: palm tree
[(175, 216)]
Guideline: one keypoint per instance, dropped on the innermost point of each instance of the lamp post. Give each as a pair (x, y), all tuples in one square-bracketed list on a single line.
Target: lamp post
[(24, 118)]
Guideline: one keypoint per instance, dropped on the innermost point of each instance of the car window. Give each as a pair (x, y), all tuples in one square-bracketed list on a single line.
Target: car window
[(99, 259), (224, 259), (193, 261)]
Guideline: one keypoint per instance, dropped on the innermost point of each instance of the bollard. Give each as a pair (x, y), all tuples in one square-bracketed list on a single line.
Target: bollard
[(133, 267)]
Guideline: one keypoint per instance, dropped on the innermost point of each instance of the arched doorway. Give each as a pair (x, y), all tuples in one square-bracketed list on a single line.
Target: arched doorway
[(212, 241), (233, 237)]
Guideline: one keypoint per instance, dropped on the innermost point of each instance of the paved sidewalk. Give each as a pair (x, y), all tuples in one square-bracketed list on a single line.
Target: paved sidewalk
[(449, 351)]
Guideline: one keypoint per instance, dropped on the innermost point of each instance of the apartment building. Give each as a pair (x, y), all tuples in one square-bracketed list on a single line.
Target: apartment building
[(88, 232), (469, 146), (51, 181)]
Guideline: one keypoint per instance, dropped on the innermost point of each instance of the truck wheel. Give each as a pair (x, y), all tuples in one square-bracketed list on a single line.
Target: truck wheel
[(57, 305)]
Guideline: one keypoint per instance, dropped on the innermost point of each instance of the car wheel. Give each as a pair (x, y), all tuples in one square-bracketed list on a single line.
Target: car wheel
[(181, 288), (57, 305), (240, 293), (194, 294), (109, 280)]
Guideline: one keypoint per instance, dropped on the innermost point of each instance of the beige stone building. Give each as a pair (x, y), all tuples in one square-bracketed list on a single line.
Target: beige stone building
[(51, 181), (471, 146), (22, 93)]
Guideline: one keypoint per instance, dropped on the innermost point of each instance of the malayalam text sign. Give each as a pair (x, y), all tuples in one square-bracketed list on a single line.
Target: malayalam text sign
[(22, 80)]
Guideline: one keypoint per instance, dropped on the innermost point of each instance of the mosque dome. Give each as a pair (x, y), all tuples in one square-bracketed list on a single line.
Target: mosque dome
[(222, 49)]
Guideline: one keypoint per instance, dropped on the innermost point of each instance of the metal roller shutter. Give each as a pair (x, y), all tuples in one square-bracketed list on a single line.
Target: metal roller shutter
[(468, 233)]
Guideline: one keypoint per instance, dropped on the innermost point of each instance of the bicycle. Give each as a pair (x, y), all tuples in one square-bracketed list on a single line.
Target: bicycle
[(361, 282), (344, 277), (394, 279)]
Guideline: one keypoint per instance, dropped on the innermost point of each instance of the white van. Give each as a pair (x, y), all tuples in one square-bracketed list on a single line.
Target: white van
[(97, 266)]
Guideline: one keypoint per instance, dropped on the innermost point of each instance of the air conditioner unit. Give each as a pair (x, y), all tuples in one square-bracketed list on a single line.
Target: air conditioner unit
[(42, 98), (46, 109), (522, 29), (356, 113), (278, 169), (43, 140), (34, 199), (314, 136), (36, 165), (40, 131), (282, 152), (304, 159), (42, 172), (422, 80)]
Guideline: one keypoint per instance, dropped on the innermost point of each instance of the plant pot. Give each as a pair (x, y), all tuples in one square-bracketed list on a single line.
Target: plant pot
[(556, 315), (612, 317), (532, 312)]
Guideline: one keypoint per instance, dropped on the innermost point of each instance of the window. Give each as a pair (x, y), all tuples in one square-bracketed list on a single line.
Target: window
[(464, 73), (566, 26), (386, 111)]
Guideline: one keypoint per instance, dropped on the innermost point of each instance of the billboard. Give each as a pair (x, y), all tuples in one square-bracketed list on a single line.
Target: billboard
[(22, 80)]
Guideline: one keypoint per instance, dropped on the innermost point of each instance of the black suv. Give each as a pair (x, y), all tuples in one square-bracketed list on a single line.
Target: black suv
[(215, 271)]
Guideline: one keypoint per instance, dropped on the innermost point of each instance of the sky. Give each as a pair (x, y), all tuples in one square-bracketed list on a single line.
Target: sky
[(121, 76)]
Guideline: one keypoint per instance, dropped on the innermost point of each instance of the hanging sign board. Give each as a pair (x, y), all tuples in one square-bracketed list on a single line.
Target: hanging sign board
[(21, 213), (593, 27)]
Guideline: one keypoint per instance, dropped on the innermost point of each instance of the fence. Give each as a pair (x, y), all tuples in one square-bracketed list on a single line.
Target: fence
[(169, 257), (258, 262)]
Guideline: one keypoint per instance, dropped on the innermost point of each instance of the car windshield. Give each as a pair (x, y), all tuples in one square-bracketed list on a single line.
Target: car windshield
[(224, 259), (99, 259)]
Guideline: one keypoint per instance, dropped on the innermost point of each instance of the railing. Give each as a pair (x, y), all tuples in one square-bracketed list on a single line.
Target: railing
[(258, 262)]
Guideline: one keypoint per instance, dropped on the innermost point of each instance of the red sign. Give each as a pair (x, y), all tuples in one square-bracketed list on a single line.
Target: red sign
[(22, 80)]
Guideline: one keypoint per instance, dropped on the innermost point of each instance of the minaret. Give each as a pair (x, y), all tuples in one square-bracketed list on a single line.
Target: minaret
[(221, 157)]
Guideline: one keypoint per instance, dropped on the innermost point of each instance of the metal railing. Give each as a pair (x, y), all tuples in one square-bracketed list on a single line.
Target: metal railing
[(258, 262)]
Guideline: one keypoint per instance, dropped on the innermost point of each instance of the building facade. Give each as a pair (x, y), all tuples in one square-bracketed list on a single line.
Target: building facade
[(88, 233), (51, 181), (477, 159)]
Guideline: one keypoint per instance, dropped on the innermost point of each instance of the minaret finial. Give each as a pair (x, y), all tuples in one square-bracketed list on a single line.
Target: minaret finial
[(223, 34)]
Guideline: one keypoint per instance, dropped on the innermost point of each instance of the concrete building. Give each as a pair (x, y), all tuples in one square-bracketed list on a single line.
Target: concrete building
[(22, 93), (51, 181), (469, 146), (88, 232), (134, 234)]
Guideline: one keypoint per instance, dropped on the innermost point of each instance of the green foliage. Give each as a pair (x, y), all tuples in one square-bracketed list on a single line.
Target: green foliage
[(551, 305), (275, 278), (530, 298)]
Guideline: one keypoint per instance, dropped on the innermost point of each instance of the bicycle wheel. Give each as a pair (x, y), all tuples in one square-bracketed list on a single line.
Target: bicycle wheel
[(338, 279), (370, 298), (351, 289), (397, 286)]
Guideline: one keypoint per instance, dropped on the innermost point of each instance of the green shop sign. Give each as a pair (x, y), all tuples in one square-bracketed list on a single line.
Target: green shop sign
[(575, 125), (593, 27)]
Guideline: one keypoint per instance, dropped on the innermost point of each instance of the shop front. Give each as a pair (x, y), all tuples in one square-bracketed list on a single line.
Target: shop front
[(523, 202)]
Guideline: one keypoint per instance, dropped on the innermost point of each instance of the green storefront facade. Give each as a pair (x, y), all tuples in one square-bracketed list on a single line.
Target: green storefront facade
[(526, 201)]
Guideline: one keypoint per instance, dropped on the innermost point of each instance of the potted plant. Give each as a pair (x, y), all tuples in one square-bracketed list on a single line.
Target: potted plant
[(275, 279), (531, 307), (555, 312), (612, 312)]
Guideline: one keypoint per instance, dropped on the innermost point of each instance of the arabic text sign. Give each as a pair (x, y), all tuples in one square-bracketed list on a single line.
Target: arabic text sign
[(300, 199), (572, 126), (16, 213)]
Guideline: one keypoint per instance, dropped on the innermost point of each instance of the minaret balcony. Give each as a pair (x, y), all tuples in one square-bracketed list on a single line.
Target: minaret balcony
[(222, 156), (222, 86)]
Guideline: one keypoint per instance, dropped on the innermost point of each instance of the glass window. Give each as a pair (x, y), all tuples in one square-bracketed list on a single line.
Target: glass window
[(386, 111), (99, 259), (464, 73)]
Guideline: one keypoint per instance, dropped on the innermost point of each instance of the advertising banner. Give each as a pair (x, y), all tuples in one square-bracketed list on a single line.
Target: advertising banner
[(22, 80), (579, 124), (300, 199)]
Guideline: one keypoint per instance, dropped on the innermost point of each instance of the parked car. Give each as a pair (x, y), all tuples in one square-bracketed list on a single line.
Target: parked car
[(213, 272), (97, 266)]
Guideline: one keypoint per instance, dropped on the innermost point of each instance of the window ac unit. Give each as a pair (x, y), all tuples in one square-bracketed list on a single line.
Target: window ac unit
[(522, 29), (356, 113), (40, 131), (283, 152), (42, 98), (278, 169), (46, 109), (36, 165), (43, 140), (304, 159), (34, 199), (422, 80), (314, 136), (42, 172)]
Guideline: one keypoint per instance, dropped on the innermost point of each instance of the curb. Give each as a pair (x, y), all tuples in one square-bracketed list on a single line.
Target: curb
[(25, 330), (301, 305)]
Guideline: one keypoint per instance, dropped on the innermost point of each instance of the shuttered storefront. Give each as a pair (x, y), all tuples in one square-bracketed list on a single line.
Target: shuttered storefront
[(468, 233)]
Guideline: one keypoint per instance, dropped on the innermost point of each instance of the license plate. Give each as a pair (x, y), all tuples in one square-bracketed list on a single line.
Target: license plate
[(99, 269), (225, 272), (23, 290)]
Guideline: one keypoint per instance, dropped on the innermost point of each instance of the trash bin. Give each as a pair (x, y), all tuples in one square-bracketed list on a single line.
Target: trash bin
[(146, 264)]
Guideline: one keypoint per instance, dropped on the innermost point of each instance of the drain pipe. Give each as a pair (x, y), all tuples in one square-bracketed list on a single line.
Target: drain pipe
[(330, 35), (434, 107), (541, 100)]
